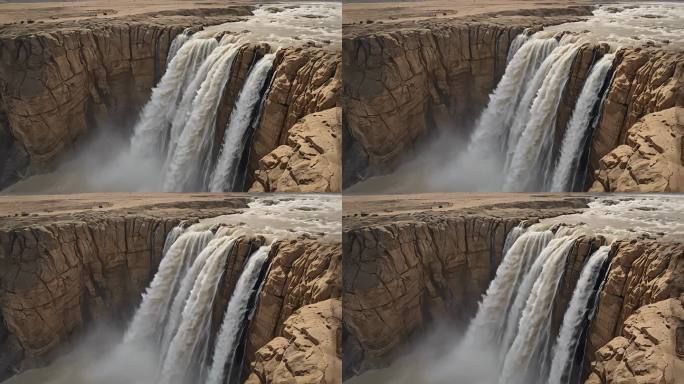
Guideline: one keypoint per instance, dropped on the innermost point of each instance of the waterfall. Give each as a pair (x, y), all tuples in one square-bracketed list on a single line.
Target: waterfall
[(571, 328), (579, 123), (234, 317), (158, 113), (150, 315), (187, 162), (492, 127), (531, 151), (192, 334), (528, 354), (486, 325), (223, 176), (515, 45)]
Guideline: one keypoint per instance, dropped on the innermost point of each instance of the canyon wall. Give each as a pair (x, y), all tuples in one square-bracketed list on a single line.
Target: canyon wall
[(306, 84), (60, 81), (637, 333), (403, 80), (644, 81), (61, 276), (403, 271)]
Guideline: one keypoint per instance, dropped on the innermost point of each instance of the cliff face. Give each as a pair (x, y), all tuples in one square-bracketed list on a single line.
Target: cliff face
[(295, 330), (651, 158), (404, 80), (402, 272), (636, 335), (305, 81), (61, 81), (645, 81), (61, 275)]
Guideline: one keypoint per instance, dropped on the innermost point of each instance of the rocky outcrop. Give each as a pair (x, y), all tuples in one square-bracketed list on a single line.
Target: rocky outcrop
[(642, 272), (305, 80), (648, 350), (644, 81), (61, 81), (295, 328), (59, 274), (403, 271), (306, 351), (651, 160), (309, 162), (405, 79), (63, 271)]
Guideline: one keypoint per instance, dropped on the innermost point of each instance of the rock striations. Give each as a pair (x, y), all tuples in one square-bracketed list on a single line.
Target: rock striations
[(66, 266)]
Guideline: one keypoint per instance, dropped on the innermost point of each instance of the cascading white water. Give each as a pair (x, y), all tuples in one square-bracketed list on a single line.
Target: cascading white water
[(223, 176), (486, 327), (235, 314), (186, 165), (532, 149), (571, 327), (192, 334), (527, 356), (491, 132), (579, 123), (158, 113), (150, 315)]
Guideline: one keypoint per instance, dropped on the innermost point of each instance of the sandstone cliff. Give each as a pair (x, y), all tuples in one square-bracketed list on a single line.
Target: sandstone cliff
[(305, 81), (637, 330), (405, 79), (60, 80), (644, 81), (404, 270), (309, 162), (66, 266), (651, 158)]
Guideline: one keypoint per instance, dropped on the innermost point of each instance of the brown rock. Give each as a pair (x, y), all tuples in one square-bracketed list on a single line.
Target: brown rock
[(648, 349), (651, 158), (305, 80), (311, 160), (306, 351), (645, 81)]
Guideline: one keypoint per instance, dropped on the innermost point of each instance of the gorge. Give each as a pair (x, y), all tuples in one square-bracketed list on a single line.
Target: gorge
[(495, 288), (231, 286), (179, 100), (572, 98)]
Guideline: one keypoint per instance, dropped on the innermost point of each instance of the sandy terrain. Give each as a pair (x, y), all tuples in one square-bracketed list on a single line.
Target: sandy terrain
[(48, 11), (373, 209), (388, 11), (24, 210)]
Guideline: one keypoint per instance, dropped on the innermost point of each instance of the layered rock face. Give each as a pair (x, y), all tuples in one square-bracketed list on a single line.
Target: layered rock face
[(402, 271), (63, 82), (650, 160), (63, 273), (295, 328), (311, 161), (639, 322), (403, 80), (644, 81), (59, 82), (305, 81)]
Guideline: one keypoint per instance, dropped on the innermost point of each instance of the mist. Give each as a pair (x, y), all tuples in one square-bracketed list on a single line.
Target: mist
[(437, 358), (99, 357), (102, 162)]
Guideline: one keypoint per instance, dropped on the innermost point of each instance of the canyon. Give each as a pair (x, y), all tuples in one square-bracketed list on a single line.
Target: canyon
[(72, 264), (417, 261), (77, 92), (416, 89)]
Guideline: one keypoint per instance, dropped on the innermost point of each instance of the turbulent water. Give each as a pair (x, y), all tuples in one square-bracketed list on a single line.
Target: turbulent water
[(174, 144), (169, 340)]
